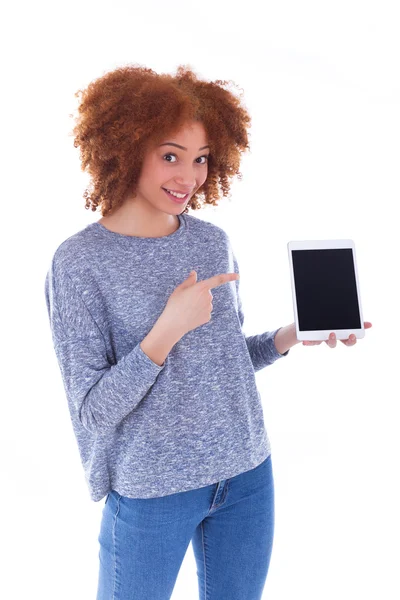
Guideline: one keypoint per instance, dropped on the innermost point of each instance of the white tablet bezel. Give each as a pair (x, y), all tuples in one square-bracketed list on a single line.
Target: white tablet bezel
[(341, 334)]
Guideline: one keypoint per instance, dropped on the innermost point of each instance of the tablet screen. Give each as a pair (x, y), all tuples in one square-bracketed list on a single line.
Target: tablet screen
[(326, 291)]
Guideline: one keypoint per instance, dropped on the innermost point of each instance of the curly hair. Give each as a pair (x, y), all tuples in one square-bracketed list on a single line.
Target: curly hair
[(131, 109)]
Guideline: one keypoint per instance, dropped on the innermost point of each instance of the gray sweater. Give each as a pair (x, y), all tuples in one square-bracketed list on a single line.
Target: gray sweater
[(143, 429)]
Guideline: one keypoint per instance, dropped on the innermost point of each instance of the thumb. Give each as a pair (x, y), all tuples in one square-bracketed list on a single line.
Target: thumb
[(192, 278)]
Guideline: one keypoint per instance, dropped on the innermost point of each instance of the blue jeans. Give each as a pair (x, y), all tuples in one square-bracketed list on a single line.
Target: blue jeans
[(143, 541)]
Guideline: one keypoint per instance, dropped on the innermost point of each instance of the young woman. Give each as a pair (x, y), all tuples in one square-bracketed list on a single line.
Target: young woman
[(147, 324)]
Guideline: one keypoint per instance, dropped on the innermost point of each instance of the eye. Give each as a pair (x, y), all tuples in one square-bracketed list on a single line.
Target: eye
[(204, 156)]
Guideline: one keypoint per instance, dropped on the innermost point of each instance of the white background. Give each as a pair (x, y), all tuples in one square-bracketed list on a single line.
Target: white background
[(322, 84)]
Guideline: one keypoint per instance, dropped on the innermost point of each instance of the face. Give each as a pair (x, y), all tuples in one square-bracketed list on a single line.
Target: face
[(182, 169)]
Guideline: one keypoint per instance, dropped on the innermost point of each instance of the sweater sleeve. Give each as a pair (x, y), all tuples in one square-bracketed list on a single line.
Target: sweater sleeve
[(99, 394), (261, 347)]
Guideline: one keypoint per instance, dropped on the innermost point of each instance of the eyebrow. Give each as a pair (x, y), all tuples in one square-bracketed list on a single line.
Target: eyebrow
[(182, 147)]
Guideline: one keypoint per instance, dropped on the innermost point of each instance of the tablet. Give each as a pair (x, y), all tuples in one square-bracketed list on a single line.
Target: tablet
[(325, 289)]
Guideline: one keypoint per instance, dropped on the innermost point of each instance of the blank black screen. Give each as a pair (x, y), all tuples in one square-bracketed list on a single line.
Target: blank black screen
[(326, 291)]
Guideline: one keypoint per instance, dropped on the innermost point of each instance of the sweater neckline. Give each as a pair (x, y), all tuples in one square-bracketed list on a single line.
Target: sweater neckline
[(134, 239)]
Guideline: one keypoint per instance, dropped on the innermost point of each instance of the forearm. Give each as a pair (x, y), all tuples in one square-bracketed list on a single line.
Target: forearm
[(159, 342), (286, 338)]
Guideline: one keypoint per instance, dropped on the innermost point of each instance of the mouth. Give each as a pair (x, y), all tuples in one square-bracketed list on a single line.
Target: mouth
[(175, 199)]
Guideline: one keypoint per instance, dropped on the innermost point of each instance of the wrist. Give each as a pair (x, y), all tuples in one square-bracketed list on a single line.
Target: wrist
[(286, 338), (170, 331)]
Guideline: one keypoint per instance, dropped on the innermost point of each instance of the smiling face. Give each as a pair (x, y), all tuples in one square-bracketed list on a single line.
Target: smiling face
[(178, 164)]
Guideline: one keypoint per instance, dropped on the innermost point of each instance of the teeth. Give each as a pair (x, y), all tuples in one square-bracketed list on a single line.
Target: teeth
[(177, 195)]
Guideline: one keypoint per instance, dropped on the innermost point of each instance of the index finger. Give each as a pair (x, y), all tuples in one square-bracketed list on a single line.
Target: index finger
[(220, 279)]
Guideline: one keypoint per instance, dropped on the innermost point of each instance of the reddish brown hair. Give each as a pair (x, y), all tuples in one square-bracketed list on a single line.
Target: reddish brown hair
[(130, 109)]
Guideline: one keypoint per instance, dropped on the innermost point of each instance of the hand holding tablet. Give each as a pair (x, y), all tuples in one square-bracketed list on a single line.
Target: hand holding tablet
[(331, 341)]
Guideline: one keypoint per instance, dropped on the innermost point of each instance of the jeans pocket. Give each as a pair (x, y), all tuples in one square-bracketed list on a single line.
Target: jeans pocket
[(115, 494)]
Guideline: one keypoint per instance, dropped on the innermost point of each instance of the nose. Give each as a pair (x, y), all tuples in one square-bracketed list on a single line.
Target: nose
[(186, 184), (187, 179)]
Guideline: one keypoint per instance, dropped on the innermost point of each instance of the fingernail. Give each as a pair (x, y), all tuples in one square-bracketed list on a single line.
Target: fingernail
[(332, 336)]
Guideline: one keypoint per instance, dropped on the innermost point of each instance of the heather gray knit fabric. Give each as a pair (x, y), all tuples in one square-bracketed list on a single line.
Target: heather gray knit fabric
[(142, 429)]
